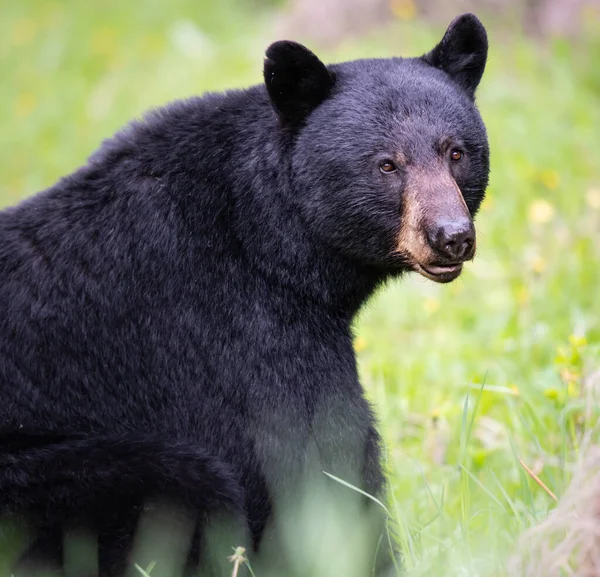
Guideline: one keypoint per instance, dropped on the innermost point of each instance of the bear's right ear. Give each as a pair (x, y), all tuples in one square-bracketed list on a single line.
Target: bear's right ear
[(462, 52), (297, 81)]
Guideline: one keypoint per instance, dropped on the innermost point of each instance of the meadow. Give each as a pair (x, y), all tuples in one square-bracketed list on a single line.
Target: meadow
[(484, 388)]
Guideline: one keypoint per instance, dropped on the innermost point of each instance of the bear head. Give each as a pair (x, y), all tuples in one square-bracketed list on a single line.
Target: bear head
[(389, 158)]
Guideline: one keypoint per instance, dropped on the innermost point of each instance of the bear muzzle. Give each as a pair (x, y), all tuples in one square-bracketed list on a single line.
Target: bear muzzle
[(437, 234)]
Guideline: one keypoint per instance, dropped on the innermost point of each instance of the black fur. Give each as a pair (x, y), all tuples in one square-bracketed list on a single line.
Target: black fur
[(175, 316), (104, 483), (462, 52), (296, 80)]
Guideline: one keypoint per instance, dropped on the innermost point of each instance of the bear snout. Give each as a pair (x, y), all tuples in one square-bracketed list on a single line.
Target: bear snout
[(453, 240)]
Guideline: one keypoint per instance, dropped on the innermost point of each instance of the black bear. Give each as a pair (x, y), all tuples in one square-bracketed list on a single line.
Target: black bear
[(176, 315)]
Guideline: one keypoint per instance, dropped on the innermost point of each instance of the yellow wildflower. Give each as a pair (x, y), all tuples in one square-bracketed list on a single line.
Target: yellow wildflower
[(541, 211), (23, 32), (104, 41), (25, 104), (403, 9), (577, 341), (360, 344), (592, 197), (550, 179), (522, 295), (538, 265), (431, 305)]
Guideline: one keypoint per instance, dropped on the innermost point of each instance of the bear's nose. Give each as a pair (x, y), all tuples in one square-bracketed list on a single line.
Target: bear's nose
[(454, 240)]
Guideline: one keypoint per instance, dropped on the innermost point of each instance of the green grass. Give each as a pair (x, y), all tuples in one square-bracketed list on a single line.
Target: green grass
[(466, 378)]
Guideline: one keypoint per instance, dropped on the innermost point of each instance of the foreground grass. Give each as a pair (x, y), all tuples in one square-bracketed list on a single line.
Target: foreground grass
[(468, 379)]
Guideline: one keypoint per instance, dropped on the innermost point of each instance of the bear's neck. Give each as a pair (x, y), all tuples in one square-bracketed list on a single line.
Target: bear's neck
[(279, 246)]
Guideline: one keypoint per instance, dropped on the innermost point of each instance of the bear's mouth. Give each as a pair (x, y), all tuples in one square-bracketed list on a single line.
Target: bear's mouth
[(441, 273)]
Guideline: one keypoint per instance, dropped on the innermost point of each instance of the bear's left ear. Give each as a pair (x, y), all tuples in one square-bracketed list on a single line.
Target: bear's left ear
[(462, 52), (297, 81)]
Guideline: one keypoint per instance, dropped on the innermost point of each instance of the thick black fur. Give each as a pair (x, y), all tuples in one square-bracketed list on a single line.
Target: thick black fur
[(462, 53), (175, 316), (296, 80), (104, 483)]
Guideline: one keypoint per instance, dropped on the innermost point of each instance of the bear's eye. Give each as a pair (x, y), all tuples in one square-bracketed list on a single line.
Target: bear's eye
[(387, 167), (456, 155)]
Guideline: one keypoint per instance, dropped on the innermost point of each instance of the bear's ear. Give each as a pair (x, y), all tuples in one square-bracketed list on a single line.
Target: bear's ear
[(462, 52), (297, 81)]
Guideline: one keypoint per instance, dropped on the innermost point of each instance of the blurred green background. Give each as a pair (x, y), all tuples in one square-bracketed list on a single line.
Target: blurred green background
[(467, 378)]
